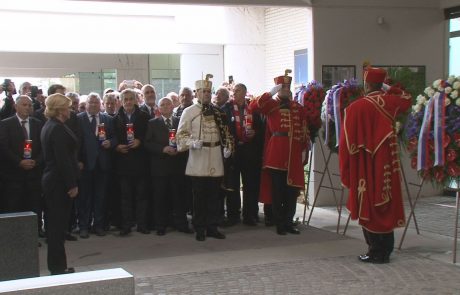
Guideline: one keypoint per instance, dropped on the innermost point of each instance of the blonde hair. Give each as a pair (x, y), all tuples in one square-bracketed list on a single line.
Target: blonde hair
[(56, 102)]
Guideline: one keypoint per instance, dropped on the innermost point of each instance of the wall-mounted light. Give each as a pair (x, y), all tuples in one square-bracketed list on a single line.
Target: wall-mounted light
[(380, 20)]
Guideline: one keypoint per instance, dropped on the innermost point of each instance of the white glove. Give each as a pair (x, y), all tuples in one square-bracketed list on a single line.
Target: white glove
[(385, 87), (275, 89), (227, 153), (197, 144)]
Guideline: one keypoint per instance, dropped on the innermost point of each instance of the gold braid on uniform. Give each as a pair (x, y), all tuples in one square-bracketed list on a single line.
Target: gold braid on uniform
[(226, 137)]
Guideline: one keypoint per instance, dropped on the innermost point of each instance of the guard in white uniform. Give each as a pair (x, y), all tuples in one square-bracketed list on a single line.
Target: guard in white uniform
[(203, 131)]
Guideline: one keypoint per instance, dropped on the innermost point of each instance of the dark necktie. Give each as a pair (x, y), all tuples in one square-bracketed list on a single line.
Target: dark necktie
[(24, 130), (152, 112), (93, 124), (168, 123)]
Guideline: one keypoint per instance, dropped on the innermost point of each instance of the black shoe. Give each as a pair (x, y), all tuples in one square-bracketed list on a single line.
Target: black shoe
[(250, 222), (200, 236), (63, 272), (293, 230), (374, 259), (185, 229), (215, 234), (69, 237), (281, 231), (124, 232), (99, 232), (143, 230), (161, 232), (84, 234)]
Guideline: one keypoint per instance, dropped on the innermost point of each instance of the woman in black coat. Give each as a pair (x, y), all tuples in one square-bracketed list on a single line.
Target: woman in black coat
[(59, 179)]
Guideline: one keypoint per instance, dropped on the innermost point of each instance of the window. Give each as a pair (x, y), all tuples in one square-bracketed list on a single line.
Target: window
[(452, 14), (454, 46), (300, 67)]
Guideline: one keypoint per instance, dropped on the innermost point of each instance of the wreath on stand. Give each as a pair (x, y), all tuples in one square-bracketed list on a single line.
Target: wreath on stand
[(337, 99), (432, 132)]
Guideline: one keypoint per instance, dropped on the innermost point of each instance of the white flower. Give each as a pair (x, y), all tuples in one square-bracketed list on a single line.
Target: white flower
[(426, 102), (421, 99), (451, 79), (431, 92), (427, 90), (447, 101), (448, 90), (457, 102), (440, 88), (416, 108), (456, 85), (437, 83), (454, 94)]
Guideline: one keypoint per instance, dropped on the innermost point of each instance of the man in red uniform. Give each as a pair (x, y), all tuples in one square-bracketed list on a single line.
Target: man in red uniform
[(286, 144), (370, 166)]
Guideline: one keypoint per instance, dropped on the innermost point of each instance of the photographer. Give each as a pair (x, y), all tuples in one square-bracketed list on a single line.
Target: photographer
[(33, 92), (8, 109)]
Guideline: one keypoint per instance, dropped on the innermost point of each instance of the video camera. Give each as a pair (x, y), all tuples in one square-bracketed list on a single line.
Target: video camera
[(34, 92)]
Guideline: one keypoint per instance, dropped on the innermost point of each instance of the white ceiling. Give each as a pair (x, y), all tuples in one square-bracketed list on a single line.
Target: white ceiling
[(303, 3)]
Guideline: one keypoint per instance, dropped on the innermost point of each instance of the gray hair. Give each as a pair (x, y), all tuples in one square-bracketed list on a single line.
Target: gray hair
[(21, 97)]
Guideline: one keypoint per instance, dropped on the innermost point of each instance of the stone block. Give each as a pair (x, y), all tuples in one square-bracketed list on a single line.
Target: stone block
[(115, 281), (19, 242)]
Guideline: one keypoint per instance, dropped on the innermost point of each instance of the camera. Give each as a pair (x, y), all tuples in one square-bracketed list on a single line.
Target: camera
[(34, 92), (230, 79), (6, 85)]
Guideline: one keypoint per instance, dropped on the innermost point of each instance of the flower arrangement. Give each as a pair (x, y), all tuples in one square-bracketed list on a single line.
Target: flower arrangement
[(432, 132), (337, 99), (312, 100)]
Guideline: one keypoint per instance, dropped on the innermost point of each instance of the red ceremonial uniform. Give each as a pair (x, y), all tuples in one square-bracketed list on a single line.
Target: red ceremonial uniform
[(369, 160), (286, 139)]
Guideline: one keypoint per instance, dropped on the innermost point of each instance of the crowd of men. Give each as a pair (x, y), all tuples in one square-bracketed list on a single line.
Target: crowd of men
[(148, 164)]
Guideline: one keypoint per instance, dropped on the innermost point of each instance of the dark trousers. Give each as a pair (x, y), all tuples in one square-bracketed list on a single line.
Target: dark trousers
[(91, 198), (23, 195), (379, 244), (247, 166), (112, 215), (232, 202), (58, 205), (169, 196), (206, 203), (133, 195), (284, 199)]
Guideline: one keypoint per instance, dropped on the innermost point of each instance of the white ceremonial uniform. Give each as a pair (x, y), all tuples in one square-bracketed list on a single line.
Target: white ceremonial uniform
[(207, 161)]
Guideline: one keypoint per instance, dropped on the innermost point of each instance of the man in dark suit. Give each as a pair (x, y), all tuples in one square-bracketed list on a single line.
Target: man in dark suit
[(130, 162), (21, 160), (247, 129), (97, 141), (111, 103), (150, 97), (166, 168)]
